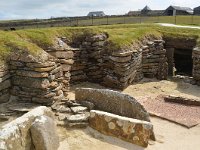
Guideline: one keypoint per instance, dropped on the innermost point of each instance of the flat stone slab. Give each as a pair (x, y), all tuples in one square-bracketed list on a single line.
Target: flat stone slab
[(77, 118), (185, 115), (182, 100), (79, 109), (22, 107), (112, 102), (131, 130)]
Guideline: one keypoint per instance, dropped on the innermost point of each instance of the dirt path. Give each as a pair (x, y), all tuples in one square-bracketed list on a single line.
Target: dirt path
[(170, 136), (178, 26)]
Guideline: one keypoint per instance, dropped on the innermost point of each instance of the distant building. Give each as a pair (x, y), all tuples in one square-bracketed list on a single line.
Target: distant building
[(197, 11), (145, 10), (96, 14), (177, 10), (134, 13), (170, 11)]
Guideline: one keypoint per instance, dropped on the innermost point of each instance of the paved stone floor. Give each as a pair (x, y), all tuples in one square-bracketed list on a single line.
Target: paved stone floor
[(185, 115)]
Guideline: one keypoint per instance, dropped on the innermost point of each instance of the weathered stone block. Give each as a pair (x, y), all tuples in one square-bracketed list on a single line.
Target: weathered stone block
[(16, 135), (43, 134), (4, 98), (5, 84), (63, 54), (31, 74), (41, 65), (120, 59), (113, 102), (31, 82), (131, 130)]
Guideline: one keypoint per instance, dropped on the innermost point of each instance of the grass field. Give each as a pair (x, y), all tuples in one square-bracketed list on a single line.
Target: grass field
[(86, 21)]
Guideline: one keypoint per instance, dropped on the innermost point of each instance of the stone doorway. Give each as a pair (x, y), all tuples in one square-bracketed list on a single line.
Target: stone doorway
[(183, 62)]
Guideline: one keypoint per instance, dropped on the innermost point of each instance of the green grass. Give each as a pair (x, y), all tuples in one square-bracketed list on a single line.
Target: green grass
[(120, 36), (85, 21)]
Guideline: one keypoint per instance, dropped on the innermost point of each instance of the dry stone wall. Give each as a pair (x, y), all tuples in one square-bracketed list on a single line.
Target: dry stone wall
[(4, 83), (46, 78), (88, 59), (154, 60), (196, 65), (123, 69), (35, 80), (130, 66)]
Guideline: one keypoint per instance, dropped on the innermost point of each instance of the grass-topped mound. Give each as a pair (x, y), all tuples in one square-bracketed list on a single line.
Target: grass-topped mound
[(34, 40)]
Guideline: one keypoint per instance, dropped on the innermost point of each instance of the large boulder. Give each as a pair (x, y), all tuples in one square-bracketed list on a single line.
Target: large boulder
[(16, 134), (43, 132), (113, 102)]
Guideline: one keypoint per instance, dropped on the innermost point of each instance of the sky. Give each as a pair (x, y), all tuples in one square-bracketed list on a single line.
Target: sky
[(32, 9)]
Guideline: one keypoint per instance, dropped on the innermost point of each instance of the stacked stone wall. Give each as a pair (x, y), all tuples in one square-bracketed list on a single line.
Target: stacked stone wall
[(130, 66), (4, 83), (154, 60), (123, 68), (87, 58), (196, 65), (34, 80)]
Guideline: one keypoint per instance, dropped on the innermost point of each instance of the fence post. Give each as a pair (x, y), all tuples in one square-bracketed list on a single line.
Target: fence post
[(140, 19), (92, 20), (192, 19), (175, 19), (124, 19), (107, 20), (77, 21), (70, 23)]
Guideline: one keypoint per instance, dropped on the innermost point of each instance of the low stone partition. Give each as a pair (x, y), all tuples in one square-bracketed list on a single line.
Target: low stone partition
[(4, 83), (182, 100), (154, 60), (128, 66), (131, 130), (112, 102), (123, 68), (34, 130), (65, 56), (36, 79), (196, 65)]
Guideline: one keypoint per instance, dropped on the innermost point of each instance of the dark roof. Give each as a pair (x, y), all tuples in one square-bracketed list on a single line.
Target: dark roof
[(197, 7), (146, 8), (187, 9)]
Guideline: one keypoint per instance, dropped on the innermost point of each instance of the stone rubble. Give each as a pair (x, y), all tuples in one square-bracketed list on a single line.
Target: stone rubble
[(71, 114)]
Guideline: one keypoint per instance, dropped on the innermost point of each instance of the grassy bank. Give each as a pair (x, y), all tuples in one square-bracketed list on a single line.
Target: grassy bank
[(35, 40)]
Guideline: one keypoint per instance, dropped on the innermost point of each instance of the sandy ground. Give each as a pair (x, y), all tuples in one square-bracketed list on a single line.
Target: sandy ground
[(178, 26), (170, 136)]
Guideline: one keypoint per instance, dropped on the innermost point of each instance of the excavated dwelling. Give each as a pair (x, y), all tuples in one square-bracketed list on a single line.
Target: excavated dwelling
[(44, 76)]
